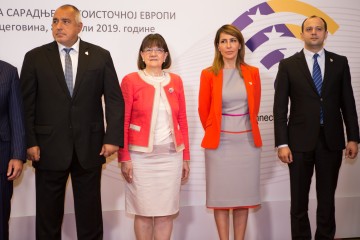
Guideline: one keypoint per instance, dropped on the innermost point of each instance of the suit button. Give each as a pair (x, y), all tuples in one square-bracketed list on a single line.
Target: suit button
[(321, 99)]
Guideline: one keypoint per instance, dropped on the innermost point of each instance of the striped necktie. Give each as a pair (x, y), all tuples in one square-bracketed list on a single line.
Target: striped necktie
[(317, 78), (68, 70)]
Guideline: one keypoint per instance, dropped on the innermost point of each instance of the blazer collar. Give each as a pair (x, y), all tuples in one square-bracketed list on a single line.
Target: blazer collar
[(247, 78), (249, 85), (301, 63), (85, 54), (329, 68), (217, 94), (55, 62), (53, 56)]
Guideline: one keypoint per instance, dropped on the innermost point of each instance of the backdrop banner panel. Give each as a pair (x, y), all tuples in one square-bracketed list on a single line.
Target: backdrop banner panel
[(272, 32)]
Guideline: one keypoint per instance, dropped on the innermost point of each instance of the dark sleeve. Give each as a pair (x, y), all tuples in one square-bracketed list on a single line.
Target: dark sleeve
[(28, 83), (18, 145), (114, 105), (348, 106), (280, 108)]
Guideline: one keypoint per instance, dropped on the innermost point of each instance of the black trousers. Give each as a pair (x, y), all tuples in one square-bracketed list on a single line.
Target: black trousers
[(6, 191), (50, 196), (327, 164)]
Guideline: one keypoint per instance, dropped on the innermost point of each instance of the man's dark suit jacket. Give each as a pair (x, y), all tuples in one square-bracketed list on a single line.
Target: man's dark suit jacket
[(301, 130), (12, 130), (59, 123)]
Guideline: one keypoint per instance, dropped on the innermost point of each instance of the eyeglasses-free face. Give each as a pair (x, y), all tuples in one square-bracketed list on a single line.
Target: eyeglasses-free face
[(228, 46), (314, 34)]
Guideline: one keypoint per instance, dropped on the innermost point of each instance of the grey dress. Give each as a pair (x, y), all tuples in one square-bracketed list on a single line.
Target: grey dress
[(233, 169)]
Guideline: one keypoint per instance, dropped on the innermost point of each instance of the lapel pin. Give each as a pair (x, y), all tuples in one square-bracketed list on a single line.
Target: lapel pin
[(250, 83), (331, 60), (87, 53), (171, 90)]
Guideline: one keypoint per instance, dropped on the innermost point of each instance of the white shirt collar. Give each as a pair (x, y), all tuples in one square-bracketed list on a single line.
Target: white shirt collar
[(75, 47), (310, 54)]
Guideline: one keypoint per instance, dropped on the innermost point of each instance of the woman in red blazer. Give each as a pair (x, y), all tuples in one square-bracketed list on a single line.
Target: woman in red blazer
[(155, 157), (229, 101)]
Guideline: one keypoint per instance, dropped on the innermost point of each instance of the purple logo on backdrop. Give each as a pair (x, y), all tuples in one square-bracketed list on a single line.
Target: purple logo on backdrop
[(283, 29)]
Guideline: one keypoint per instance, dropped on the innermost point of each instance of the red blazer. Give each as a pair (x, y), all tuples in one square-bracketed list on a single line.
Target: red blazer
[(140, 100), (210, 104)]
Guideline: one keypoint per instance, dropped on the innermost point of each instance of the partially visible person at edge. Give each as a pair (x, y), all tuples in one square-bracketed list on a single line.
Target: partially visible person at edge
[(229, 101), (155, 157), (12, 140), (63, 84), (318, 84)]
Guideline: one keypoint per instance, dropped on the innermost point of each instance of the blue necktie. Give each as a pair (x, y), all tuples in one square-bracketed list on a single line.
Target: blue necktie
[(68, 70), (317, 78)]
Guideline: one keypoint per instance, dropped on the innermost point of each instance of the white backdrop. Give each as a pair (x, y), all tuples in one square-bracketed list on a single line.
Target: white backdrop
[(189, 28)]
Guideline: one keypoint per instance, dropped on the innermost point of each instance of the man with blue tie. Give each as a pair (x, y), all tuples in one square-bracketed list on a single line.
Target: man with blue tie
[(63, 84), (318, 84), (12, 140)]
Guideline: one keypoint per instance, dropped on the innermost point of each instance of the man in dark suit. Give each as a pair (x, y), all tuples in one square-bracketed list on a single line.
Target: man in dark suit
[(12, 140), (63, 83), (318, 84)]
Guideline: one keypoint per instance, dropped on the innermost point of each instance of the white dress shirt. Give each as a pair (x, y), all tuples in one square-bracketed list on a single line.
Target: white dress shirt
[(74, 55), (310, 60)]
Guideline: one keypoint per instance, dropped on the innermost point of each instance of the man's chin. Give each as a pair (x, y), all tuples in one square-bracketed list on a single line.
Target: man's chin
[(59, 40)]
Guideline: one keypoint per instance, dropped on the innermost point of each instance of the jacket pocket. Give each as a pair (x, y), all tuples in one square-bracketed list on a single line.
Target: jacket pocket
[(135, 127)]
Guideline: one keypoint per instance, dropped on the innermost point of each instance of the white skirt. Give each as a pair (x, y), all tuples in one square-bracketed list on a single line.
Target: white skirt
[(155, 190)]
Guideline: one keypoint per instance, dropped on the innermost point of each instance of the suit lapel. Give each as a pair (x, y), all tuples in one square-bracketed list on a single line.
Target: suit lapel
[(84, 56), (217, 83), (302, 64), (249, 87), (53, 56), (329, 68)]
